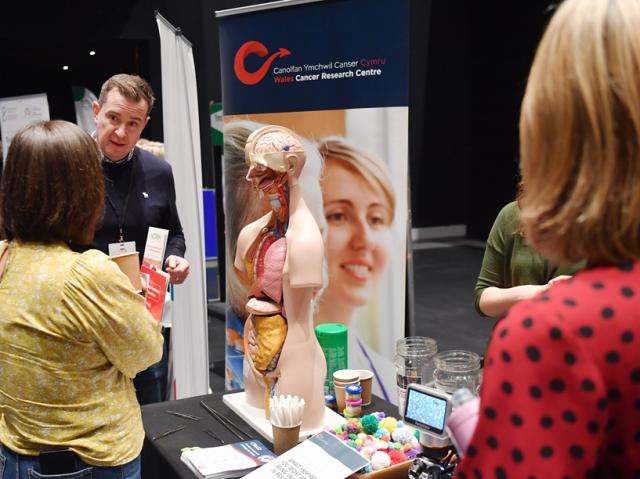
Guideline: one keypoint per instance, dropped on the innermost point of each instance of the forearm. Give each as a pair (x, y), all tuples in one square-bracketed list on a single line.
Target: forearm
[(496, 302), (175, 245)]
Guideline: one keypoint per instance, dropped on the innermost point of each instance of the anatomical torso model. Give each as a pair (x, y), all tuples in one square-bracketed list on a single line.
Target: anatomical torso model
[(282, 255)]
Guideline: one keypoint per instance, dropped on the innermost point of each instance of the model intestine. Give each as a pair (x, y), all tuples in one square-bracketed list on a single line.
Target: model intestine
[(282, 255)]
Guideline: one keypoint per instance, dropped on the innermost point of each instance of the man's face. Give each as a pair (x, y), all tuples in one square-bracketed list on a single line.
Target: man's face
[(119, 124)]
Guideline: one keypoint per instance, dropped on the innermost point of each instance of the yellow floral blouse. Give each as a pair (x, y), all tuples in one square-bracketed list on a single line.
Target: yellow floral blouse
[(73, 333)]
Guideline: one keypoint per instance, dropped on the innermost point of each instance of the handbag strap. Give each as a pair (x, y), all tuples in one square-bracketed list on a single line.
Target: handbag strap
[(4, 256)]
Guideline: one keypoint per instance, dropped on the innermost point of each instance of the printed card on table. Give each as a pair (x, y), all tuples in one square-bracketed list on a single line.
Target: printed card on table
[(230, 460), (319, 457)]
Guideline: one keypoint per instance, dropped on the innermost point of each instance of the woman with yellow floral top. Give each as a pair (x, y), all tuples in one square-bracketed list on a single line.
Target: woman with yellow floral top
[(73, 332)]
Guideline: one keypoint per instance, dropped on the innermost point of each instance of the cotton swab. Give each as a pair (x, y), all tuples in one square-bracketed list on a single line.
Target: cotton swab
[(286, 410)]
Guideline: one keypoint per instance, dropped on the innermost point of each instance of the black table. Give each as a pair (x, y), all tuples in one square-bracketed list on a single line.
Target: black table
[(161, 457)]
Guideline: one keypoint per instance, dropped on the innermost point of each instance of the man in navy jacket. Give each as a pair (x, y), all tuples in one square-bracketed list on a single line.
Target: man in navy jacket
[(140, 190), (140, 193)]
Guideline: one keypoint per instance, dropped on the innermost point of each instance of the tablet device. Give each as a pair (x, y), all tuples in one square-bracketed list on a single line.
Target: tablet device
[(427, 409)]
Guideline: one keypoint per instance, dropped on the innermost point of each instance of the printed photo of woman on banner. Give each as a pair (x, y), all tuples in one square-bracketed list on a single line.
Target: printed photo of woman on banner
[(364, 187), (348, 102)]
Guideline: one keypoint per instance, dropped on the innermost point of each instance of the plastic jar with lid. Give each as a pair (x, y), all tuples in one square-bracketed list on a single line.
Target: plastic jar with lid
[(413, 362), (455, 369)]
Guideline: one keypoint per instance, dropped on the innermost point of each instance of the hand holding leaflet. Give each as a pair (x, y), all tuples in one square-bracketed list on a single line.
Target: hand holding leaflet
[(156, 282)]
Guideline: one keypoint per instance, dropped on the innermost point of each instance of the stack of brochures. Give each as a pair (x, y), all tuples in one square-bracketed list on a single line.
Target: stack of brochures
[(322, 456), (231, 460)]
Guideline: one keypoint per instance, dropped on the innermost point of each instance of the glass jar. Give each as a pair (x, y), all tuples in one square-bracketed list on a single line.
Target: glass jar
[(414, 364), (455, 369)]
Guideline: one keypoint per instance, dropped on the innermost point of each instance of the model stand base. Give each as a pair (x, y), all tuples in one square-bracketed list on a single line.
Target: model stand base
[(254, 417)]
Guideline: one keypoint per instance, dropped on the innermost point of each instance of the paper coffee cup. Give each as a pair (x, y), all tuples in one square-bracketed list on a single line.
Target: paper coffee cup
[(340, 397), (344, 377), (284, 437), (366, 382), (129, 265)]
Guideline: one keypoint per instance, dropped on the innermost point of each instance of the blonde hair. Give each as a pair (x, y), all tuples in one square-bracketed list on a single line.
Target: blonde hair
[(579, 135), (241, 206), (156, 148), (360, 162)]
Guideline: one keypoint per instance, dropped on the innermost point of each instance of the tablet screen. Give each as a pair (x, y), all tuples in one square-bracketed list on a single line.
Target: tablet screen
[(426, 411)]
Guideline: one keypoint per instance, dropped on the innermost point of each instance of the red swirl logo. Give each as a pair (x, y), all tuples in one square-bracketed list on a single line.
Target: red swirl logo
[(253, 47)]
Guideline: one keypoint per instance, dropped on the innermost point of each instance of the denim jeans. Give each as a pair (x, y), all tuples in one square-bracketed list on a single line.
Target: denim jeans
[(19, 466)]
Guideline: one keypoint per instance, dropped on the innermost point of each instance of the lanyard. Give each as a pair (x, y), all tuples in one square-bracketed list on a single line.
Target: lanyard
[(124, 209)]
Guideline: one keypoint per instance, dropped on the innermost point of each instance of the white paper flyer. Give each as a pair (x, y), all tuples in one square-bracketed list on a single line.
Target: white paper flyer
[(322, 456)]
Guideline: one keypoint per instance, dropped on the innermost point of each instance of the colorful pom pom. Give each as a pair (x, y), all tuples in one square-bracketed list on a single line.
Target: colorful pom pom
[(402, 434), (411, 453), (389, 423), (370, 423), (382, 445), (380, 460), (397, 456), (383, 440)]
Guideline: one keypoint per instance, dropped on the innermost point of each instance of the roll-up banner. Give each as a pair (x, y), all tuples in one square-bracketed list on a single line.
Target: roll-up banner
[(335, 72), (189, 346)]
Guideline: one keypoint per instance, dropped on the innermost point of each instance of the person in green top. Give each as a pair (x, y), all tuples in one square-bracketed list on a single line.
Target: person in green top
[(512, 270)]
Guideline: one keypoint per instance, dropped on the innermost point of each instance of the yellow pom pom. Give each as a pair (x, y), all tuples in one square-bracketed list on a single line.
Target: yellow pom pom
[(388, 423)]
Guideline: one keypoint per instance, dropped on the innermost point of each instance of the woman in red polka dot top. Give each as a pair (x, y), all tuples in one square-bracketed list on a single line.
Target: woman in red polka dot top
[(561, 390)]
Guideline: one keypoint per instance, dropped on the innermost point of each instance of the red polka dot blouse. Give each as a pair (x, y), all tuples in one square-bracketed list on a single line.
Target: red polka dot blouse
[(561, 390)]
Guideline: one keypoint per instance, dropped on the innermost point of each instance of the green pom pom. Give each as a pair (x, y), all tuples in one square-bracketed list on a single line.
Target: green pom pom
[(370, 424), (416, 433)]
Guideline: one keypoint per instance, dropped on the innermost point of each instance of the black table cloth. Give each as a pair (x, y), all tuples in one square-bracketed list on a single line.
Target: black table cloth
[(161, 457)]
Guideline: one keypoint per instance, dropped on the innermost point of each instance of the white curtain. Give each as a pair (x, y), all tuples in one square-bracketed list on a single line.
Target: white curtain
[(182, 150)]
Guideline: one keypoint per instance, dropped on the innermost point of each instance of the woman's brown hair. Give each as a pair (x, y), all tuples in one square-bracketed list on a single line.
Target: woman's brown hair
[(132, 87), (52, 187), (580, 134)]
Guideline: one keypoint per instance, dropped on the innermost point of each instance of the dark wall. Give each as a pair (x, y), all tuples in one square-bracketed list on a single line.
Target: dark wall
[(502, 41), (439, 110), (39, 38), (465, 163)]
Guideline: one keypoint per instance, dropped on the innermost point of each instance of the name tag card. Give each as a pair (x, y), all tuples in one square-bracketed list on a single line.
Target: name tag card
[(116, 249)]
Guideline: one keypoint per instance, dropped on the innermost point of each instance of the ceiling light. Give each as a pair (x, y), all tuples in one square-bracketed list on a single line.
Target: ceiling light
[(92, 52), (65, 67)]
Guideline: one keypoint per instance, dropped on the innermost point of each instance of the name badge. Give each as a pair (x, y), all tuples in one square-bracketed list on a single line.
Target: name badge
[(116, 249)]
